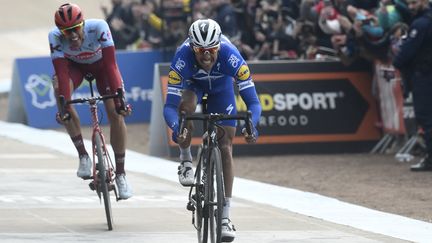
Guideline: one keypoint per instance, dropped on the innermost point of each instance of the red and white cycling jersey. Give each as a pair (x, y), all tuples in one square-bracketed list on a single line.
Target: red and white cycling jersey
[(97, 35), (96, 56)]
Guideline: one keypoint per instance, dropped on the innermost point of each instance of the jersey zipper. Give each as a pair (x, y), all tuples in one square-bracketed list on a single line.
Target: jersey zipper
[(209, 80)]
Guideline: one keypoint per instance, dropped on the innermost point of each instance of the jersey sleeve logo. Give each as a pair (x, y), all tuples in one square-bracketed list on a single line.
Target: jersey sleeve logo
[(173, 77), (243, 73), (101, 38), (54, 48), (233, 60), (180, 64)]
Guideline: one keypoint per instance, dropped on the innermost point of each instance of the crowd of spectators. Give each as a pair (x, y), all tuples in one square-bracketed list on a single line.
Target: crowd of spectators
[(267, 29), (148, 24)]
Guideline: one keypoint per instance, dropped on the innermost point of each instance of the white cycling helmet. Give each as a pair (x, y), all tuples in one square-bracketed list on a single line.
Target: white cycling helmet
[(205, 33)]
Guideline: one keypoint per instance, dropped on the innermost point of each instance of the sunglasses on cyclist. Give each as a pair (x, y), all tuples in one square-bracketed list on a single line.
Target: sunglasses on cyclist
[(202, 50), (76, 28)]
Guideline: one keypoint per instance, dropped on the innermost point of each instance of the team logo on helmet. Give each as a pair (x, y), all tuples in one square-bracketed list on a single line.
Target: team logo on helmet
[(173, 77), (205, 33), (243, 73)]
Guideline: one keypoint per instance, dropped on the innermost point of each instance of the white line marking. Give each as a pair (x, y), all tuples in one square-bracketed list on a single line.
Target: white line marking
[(28, 156), (49, 221), (30, 199), (318, 236), (43, 171)]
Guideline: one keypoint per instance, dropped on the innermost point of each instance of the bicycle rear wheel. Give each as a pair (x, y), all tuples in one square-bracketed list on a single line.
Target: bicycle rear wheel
[(102, 166), (216, 195)]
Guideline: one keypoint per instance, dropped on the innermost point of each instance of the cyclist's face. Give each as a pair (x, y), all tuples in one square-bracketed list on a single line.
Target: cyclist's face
[(206, 58), (74, 35)]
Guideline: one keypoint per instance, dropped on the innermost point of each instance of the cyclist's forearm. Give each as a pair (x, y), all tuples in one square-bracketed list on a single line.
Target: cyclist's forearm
[(251, 100), (171, 116)]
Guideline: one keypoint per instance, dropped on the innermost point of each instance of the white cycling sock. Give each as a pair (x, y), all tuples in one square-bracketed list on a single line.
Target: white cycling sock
[(185, 154), (226, 208)]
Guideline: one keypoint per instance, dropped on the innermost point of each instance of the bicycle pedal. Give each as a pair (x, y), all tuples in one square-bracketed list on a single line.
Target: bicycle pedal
[(111, 187), (87, 177), (190, 207), (92, 186)]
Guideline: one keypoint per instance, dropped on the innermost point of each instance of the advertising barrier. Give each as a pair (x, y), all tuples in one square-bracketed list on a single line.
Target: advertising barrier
[(307, 107), (388, 81), (34, 101)]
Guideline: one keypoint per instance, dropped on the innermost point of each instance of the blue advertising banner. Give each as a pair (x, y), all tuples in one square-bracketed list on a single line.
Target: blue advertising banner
[(35, 78)]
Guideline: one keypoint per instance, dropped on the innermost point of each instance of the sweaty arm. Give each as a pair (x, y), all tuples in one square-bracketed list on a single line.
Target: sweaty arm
[(62, 72), (110, 63)]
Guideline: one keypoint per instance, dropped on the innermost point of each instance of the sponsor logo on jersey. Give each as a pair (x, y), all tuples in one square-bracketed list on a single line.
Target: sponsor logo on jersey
[(84, 55), (233, 60), (54, 48), (245, 85), (174, 91), (101, 38), (180, 64), (173, 77), (243, 73)]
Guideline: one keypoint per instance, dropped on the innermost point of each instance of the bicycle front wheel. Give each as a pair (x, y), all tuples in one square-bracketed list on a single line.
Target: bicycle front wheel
[(104, 181), (216, 195), (198, 198)]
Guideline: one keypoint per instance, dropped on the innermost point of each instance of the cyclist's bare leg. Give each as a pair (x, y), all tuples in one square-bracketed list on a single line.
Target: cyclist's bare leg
[(225, 146), (73, 126), (117, 134), (118, 143)]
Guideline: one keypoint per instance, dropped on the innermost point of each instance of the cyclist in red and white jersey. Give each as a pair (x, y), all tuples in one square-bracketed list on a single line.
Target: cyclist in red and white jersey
[(80, 47)]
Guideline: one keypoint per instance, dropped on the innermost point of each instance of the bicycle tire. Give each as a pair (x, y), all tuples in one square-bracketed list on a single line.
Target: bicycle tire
[(208, 196), (103, 179), (199, 197), (217, 195)]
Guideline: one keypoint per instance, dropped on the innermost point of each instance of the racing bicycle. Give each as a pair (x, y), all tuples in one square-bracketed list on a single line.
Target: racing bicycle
[(103, 178), (207, 194)]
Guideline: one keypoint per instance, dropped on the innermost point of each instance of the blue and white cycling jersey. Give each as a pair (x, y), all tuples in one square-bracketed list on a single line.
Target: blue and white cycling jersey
[(97, 35), (230, 67)]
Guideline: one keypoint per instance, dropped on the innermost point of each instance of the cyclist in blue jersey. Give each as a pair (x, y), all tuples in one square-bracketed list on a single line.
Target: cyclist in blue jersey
[(208, 63)]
